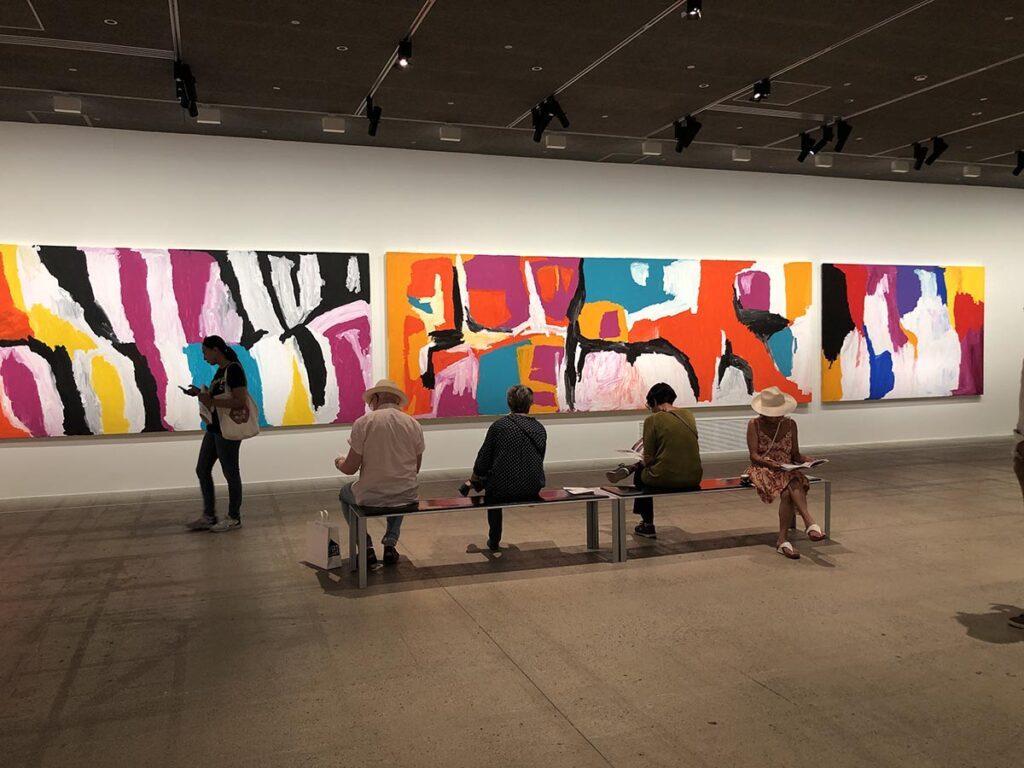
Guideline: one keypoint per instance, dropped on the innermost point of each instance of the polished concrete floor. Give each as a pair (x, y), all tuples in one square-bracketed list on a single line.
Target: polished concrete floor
[(128, 642)]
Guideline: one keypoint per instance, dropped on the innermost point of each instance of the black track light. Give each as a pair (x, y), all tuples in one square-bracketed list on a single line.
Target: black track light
[(185, 88), (1020, 163), (843, 131), (920, 153), (827, 134), (762, 89), (939, 146), (404, 53), (686, 131), (693, 9), (373, 113), (542, 114), (806, 146)]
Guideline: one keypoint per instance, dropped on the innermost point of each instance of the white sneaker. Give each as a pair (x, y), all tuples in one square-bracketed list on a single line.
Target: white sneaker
[(204, 523), (227, 524)]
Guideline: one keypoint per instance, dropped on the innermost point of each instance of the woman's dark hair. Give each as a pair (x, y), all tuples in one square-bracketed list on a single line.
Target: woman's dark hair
[(520, 398), (216, 342), (660, 394)]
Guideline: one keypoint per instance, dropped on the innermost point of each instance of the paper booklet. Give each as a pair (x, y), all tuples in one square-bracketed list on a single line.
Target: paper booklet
[(637, 451), (805, 465), (578, 491)]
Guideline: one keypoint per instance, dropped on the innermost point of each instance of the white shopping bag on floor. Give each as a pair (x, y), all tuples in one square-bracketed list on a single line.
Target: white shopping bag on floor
[(323, 545)]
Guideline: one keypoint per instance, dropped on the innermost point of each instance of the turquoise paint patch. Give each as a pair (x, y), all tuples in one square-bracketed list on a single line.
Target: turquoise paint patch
[(499, 370), (612, 280), (782, 346), (419, 304), (202, 373)]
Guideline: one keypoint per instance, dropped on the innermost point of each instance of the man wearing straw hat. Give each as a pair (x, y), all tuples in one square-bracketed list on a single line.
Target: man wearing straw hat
[(386, 449)]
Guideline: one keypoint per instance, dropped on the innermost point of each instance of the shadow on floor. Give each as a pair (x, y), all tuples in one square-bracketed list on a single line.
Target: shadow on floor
[(992, 627), (676, 541)]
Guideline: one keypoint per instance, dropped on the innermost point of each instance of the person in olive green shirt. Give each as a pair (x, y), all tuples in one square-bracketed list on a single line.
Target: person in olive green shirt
[(671, 455)]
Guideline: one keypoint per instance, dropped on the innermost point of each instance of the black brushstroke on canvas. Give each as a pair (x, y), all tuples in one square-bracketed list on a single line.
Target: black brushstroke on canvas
[(632, 350), (64, 378), (836, 320), (760, 322), (266, 272), (227, 276), (573, 335), (732, 360), (71, 270), (313, 361)]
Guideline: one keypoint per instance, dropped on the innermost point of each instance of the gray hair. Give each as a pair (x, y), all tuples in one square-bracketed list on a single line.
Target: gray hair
[(520, 398)]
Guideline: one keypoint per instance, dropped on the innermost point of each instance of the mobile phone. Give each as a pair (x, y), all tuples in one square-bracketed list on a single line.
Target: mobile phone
[(184, 389)]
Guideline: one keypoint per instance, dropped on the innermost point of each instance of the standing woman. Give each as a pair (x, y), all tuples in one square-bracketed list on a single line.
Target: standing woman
[(772, 442), (229, 379)]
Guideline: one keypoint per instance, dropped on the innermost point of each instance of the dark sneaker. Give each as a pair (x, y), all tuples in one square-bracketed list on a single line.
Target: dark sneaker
[(371, 557), (204, 523), (620, 473), (390, 555), (646, 530), (227, 524), (1017, 622)]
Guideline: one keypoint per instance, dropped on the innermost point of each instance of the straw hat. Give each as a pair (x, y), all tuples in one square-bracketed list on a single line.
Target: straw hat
[(773, 402), (386, 386)]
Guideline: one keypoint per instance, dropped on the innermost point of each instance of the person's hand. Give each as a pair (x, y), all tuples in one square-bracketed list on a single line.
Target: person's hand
[(191, 391), (338, 462)]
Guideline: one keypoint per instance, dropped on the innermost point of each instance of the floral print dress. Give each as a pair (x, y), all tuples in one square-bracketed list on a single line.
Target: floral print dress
[(771, 482)]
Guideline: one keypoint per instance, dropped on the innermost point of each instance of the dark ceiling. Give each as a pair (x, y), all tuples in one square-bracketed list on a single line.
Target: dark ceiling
[(899, 71)]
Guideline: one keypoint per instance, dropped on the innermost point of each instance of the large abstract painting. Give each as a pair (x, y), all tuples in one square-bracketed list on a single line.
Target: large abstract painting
[(899, 331), (97, 340), (594, 334)]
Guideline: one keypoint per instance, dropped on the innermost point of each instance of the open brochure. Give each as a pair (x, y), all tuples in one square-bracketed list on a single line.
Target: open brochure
[(636, 451), (578, 491), (805, 465)]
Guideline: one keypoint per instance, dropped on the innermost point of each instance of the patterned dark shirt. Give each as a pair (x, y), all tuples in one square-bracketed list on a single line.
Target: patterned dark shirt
[(511, 460)]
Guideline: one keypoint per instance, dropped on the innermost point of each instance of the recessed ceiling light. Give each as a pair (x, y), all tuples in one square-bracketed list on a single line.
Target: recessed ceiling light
[(110, 22), (969, 146), (704, 85), (847, 85), (413, 141), (451, 103), (276, 87), (691, 66), (975, 114), (296, 22), (537, 69), (604, 117), (848, 101), (508, 47), (1007, 18), (263, 130), (983, 98), (72, 69), (859, 138), (920, 78), (739, 127), (341, 48)]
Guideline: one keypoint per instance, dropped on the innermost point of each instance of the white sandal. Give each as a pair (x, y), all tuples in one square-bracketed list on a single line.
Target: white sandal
[(785, 548), (815, 529)]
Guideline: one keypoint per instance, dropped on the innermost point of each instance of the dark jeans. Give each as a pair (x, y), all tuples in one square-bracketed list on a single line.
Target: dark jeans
[(494, 521), (1018, 464), (216, 448), (642, 507)]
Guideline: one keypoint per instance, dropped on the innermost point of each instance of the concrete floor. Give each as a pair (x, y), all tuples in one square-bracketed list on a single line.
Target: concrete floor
[(127, 641)]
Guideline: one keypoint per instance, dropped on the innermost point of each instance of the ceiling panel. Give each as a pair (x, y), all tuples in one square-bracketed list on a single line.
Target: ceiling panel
[(140, 23)]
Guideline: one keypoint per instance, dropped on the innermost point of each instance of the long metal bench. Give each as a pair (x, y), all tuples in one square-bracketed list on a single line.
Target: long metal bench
[(553, 497)]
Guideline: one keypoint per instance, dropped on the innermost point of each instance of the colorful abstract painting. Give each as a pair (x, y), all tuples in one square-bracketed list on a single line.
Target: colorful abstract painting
[(895, 331), (594, 334), (97, 340)]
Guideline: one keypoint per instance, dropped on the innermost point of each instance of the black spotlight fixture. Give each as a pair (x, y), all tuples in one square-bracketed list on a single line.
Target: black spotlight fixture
[(920, 153), (762, 89), (373, 113), (404, 53), (843, 131), (693, 9), (806, 146), (827, 134), (543, 113), (185, 88), (1020, 163), (939, 146), (686, 131)]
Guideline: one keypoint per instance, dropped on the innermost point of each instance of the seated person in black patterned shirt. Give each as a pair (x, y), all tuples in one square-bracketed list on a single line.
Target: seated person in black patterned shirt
[(510, 464)]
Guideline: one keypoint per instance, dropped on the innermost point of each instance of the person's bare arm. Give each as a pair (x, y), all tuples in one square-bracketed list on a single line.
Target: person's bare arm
[(350, 464)]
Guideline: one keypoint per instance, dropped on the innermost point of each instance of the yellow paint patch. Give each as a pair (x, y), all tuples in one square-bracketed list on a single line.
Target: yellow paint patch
[(525, 361), (912, 338), (831, 380), (297, 410), (9, 258), (106, 382), (592, 318), (967, 280), (798, 289), (56, 332)]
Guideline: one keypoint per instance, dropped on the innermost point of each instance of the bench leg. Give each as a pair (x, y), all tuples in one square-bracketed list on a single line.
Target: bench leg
[(592, 537), (361, 533), (618, 531), (828, 507), (352, 563)]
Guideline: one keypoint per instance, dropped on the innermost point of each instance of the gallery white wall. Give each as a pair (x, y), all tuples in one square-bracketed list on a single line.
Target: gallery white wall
[(79, 186)]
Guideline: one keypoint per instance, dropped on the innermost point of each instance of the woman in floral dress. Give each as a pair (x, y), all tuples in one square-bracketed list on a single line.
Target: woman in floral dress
[(772, 442)]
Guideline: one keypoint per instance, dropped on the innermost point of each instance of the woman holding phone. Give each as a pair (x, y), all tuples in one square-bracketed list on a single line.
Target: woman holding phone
[(227, 390)]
